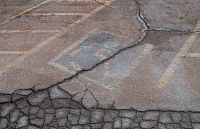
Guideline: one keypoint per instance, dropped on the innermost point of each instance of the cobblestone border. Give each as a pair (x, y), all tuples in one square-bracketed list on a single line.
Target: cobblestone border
[(55, 108)]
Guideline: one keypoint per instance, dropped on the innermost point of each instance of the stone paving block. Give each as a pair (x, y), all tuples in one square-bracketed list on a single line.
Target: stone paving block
[(195, 117), (55, 92), (151, 115), (126, 123), (14, 115), (107, 125), (176, 117), (165, 118), (38, 98), (48, 118), (110, 115), (6, 109), (61, 113), (23, 121), (3, 123), (128, 114), (118, 123), (148, 124), (97, 116)]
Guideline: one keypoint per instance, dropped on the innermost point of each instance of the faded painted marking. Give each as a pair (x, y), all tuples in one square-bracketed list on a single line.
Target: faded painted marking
[(23, 12), (111, 72), (39, 46), (84, 0), (29, 31), (178, 58), (89, 51), (12, 52), (53, 14), (191, 55)]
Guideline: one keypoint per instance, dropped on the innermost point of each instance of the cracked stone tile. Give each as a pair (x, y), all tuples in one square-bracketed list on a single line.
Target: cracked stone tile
[(50, 111), (74, 120), (195, 117), (5, 98), (161, 126), (36, 121), (128, 114), (85, 117), (34, 110), (61, 122), (23, 121), (38, 98), (186, 117), (79, 96), (33, 127), (89, 100), (48, 118), (148, 124), (196, 126), (75, 112), (134, 125), (6, 109), (60, 113), (186, 125), (96, 126), (56, 92), (97, 116), (165, 118), (3, 123), (14, 115), (61, 103), (118, 123), (151, 115), (25, 111), (176, 117), (107, 125), (139, 116), (77, 127), (110, 115), (126, 123), (22, 103), (16, 97), (40, 114), (46, 104)]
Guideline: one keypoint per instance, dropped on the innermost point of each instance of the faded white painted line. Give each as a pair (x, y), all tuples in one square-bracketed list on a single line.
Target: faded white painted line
[(136, 62), (47, 41), (191, 55), (23, 12), (53, 14), (178, 58), (12, 52), (29, 31)]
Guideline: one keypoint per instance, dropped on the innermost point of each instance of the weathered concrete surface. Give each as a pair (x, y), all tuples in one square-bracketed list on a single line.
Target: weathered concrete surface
[(132, 82), (34, 66), (170, 14), (100, 64)]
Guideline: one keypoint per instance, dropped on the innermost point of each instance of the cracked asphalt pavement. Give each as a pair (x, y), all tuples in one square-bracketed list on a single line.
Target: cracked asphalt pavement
[(93, 64)]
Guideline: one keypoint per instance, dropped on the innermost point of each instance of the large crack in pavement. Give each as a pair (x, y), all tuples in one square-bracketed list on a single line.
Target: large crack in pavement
[(55, 108)]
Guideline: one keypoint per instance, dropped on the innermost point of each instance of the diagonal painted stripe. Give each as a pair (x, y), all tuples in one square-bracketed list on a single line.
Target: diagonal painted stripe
[(29, 31), (12, 52), (23, 12), (39, 46), (53, 14), (178, 58)]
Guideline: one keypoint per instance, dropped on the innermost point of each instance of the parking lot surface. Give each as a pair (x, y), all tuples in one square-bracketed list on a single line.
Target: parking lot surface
[(100, 64)]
